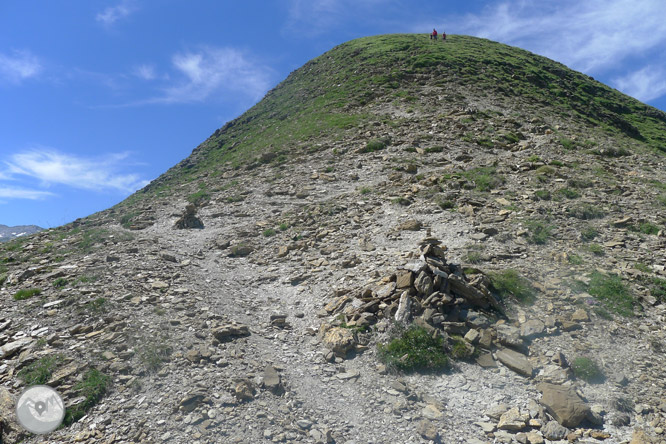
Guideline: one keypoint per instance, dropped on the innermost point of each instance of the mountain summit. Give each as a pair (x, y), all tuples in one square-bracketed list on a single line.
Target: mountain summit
[(406, 240)]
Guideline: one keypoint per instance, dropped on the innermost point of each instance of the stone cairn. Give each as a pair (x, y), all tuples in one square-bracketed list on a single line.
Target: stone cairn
[(429, 292), (189, 219)]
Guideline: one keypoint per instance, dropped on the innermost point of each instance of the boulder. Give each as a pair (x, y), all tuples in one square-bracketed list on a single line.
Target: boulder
[(554, 431), (563, 404), (339, 340), (10, 429)]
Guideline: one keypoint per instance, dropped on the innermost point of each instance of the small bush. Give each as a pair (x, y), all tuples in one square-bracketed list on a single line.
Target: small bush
[(589, 233), (585, 211), (596, 249), (484, 178), (60, 283), (414, 350), (587, 369), (575, 259), (374, 145), (269, 232), (462, 350), (543, 194), (445, 204), (567, 193), (473, 257), (567, 143), (538, 231), (26, 293), (645, 228), (39, 372), (510, 283), (611, 291), (93, 386), (284, 226), (658, 289)]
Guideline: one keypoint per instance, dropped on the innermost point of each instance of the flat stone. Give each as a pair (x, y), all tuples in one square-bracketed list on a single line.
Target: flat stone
[(486, 360), (532, 329), (511, 420), (11, 348), (563, 404), (339, 340), (515, 361)]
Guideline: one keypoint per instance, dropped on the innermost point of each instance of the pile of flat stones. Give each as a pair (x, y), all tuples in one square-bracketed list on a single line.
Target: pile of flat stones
[(428, 292)]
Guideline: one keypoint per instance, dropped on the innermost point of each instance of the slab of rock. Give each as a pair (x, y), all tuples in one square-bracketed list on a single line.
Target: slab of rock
[(563, 404), (532, 329), (404, 312), (427, 430), (271, 380), (515, 361), (11, 348), (10, 429)]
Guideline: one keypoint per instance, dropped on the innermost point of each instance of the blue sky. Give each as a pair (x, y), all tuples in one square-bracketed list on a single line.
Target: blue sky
[(98, 97)]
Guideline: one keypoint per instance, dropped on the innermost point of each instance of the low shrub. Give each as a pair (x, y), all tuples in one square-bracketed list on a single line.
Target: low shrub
[(92, 388), (414, 350), (585, 211), (538, 231), (40, 371)]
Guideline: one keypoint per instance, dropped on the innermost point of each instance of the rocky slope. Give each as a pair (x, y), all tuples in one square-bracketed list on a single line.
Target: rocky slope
[(510, 207)]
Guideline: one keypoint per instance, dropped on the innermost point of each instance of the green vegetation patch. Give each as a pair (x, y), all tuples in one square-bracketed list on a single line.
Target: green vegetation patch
[(538, 231), (612, 293), (40, 371), (92, 388), (414, 350), (375, 145), (26, 293), (484, 178), (510, 283), (585, 211), (587, 369)]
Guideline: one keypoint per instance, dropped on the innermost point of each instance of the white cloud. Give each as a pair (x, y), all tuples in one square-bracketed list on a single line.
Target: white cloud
[(645, 84), (591, 36), (22, 193), (211, 71), (19, 66), (114, 13), (145, 72), (51, 167)]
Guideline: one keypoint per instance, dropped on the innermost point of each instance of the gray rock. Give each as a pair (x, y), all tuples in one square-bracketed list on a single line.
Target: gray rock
[(11, 348), (532, 329), (515, 361), (271, 380), (554, 431)]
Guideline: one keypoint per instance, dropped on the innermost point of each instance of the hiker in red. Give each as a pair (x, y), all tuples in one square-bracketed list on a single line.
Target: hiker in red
[(433, 36)]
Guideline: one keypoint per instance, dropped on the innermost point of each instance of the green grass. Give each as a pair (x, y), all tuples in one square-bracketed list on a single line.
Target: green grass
[(153, 353), (60, 282), (510, 283), (40, 371), (612, 293), (596, 249), (97, 305), (587, 369), (567, 193), (26, 293), (589, 233), (543, 194), (414, 350), (658, 289), (365, 190), (269, 232), (575, 259), (484, 178), (284, 226), (585, 211), (375, 145), (92, 388), (646, 228), (538, 231)]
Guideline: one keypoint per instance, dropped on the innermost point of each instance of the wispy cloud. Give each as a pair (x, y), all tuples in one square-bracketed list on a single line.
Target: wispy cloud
[(199, 75), (590, 36), (114, 13), (51, 167), (18, 66), (22, 193), (646, 84), (145, 72)]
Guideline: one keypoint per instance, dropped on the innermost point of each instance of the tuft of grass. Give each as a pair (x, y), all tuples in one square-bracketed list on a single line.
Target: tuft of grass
[(612, 293), (97, 305), (658, 288), (484, 178), (414, 350), (575, 259), (538, 231), (596, 249), (269, 232), (587, 369), (645, 228), (26, 293), (567, 193), (589, 233), (567, 143), (60, 283), (284, 226), (92, 388), (153, 353), (365, 190), (40, 371), (461, 350), (543, 194), (585, 211), (509, 283)]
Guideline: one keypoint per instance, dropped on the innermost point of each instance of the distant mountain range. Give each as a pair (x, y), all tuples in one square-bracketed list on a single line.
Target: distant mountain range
[(9, 233)]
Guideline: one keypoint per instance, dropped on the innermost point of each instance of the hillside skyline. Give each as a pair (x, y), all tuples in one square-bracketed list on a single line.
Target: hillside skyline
[(99, 98)]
